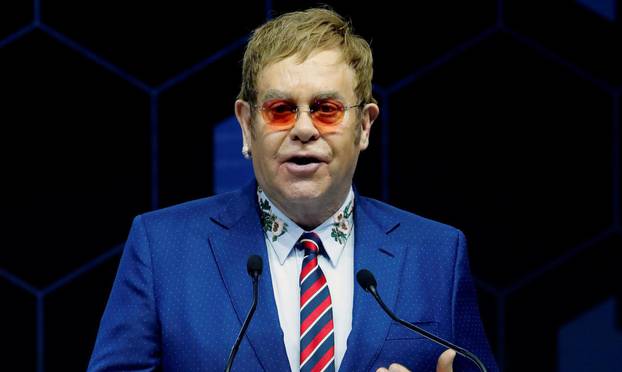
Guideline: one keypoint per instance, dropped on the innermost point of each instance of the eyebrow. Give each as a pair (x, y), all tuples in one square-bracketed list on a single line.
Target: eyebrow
[(275, 94), (278, 94), (331, 94)]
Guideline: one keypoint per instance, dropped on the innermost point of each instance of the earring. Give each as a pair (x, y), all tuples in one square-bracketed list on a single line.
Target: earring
[(246, 153)]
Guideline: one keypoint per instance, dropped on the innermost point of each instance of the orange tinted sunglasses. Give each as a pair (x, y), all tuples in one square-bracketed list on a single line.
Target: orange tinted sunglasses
[(284, 113)]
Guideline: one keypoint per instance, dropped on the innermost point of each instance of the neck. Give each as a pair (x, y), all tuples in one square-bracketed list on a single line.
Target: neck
[(310, 213)]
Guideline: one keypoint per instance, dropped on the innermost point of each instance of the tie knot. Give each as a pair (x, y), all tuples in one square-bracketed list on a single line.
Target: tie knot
[(311, 243)]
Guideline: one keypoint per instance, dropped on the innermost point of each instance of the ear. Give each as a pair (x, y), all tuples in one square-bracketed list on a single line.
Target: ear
[(243, 114), (370, 113)]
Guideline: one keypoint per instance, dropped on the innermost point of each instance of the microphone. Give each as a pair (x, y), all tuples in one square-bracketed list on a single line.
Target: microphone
[(254, 266), (367, 281)]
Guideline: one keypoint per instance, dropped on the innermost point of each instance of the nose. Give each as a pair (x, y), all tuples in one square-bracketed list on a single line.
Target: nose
[(303, 129)]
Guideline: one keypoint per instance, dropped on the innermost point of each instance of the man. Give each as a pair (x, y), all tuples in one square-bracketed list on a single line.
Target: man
[(306, 111)]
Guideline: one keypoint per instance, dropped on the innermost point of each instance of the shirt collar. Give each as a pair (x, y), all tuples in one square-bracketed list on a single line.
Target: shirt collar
[(282, 233)]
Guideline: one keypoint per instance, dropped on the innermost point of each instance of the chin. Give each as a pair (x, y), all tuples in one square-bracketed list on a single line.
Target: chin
[(303, 191)]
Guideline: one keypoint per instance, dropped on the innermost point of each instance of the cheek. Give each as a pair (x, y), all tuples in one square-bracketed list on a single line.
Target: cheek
[(267, 145), (327, 129), (344, 152)]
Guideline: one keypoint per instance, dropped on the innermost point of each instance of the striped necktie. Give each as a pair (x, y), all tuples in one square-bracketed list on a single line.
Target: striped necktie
[(317, 344)]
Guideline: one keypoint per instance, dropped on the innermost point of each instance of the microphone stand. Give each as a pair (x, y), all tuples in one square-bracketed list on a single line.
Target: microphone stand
[(247, 321), (371, 288)]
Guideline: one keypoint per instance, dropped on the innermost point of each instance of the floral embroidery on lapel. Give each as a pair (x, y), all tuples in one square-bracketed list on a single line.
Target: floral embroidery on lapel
[(341, 224), (270, 222)]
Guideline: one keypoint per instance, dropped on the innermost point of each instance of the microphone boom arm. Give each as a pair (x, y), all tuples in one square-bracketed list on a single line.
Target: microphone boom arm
[(465, 353), (247, 321)]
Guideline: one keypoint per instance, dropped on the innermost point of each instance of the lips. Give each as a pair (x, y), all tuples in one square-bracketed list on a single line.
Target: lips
[(304, 158), (303, 164)]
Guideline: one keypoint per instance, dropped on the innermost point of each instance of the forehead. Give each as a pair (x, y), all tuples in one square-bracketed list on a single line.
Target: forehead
[(323, 73)]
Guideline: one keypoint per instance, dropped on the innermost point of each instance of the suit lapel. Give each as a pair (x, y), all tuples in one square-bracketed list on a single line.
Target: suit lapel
[(376, 251), (240, 236)]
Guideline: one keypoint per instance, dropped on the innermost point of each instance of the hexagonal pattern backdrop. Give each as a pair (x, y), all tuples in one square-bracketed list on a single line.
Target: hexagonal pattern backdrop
[(500, 117)]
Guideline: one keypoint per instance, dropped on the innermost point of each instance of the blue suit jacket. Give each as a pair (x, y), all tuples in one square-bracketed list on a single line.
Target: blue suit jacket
[(182, 292)]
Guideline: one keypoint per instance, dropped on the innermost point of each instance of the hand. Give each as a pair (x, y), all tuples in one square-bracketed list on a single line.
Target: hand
[(445, 361), (444, 364), (394, 368)]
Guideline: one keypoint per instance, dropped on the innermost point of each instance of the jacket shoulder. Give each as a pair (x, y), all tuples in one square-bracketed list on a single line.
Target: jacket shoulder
[(190, 213), (407, 222)]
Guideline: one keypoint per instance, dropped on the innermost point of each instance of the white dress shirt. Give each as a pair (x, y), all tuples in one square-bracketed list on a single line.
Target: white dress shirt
[(286, 262)]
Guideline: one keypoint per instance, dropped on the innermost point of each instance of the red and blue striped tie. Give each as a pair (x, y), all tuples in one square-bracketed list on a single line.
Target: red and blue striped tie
[(317, 344)]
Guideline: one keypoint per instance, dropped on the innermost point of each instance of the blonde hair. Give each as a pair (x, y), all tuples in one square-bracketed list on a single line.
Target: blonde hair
[(301, 33)]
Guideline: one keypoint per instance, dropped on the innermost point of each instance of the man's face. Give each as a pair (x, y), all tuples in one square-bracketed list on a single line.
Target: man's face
[(306, 161)]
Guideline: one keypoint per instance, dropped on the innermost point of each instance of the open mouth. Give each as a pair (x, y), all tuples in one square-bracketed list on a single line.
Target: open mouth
[(303, 160)]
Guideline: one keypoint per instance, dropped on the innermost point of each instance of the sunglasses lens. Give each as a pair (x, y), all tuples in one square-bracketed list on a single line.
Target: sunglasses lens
[(279, 112), (327, 112), (282, 113)]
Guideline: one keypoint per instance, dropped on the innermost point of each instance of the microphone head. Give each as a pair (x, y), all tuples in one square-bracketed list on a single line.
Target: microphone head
[(254, 265), (366, 279)]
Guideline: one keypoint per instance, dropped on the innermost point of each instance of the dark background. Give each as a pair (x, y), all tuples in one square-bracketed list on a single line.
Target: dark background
[(501, 118)]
